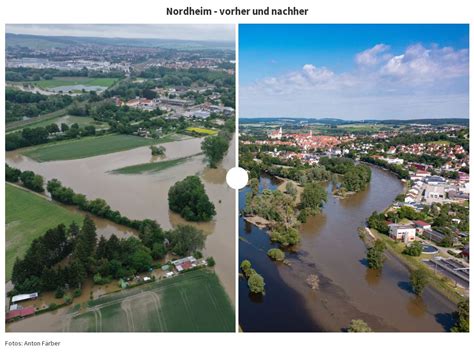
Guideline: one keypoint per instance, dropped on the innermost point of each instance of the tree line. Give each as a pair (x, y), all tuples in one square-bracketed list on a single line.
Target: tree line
[(398, 170), (51, 133), (63, 257), (20, 104), (20, 74)]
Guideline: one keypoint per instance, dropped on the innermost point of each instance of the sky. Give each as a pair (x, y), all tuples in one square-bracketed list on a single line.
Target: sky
[(354, 71), (199, 32)]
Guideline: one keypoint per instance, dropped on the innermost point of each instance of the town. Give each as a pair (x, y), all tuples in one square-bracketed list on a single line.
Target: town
[(425, 225)]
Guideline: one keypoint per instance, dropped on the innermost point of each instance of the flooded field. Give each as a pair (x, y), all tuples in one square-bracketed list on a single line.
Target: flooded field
[(330, 247), (145, 195)]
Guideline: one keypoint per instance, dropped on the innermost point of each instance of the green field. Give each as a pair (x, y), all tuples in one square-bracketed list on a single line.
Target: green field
[(71, 81), (191, 302), (88, 146), (28, 216), (152, 167), (201, 130)]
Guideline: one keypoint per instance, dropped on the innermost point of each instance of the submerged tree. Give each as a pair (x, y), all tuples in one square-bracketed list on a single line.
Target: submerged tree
[(358, 325), (418, 280)]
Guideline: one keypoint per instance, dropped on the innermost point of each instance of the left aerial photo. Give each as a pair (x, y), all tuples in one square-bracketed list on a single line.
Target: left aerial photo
[(118, 216)]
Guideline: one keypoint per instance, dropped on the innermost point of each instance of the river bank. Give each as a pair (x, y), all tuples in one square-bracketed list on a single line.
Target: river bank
[(331, 249)]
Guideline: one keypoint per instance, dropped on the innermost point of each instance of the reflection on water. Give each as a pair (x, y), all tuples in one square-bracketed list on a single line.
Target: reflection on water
[(331, 248)]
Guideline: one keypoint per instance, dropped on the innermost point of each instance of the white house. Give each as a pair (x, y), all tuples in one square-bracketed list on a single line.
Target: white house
[(405, 233)]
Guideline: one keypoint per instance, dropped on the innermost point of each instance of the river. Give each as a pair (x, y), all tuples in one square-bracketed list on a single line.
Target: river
[(331, 248), (145, 195)]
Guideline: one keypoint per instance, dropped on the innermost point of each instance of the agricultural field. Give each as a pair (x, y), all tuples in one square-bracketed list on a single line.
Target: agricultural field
[(152, 167), (201, 130), (87, 147), (191, 302), (72, 81), (29, 216)]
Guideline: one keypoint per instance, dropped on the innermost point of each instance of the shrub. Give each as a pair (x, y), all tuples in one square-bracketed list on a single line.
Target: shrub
[(59, 293), (276, 254), (210, 261), (413, 249)]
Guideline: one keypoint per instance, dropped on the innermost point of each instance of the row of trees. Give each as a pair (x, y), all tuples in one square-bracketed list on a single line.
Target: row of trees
[(103, 259), (20, 104), (22, 74), (255, 281), (50, 133), (28, 178), (399, 170)]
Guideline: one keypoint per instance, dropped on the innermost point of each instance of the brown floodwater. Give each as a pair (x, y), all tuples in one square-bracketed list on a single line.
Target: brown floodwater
[(331, 248), (146, 195)]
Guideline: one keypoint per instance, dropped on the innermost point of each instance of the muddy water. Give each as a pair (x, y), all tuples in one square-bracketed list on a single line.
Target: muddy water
[(145, 195), (330, 247)]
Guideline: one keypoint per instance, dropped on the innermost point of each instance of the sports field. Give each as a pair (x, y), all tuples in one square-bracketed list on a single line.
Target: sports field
[(71, 81), (201, 130), (191, 302), (152, 167), (29, 216)]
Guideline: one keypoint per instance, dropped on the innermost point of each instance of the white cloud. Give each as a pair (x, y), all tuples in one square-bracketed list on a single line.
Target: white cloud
[(418, 82), (373, 55)]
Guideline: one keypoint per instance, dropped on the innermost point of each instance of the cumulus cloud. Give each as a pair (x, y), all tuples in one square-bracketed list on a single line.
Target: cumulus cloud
[(380, 77), (373, 55)]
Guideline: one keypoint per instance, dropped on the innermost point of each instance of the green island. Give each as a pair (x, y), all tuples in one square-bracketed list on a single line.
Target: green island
[(153, 167), (91, 146)]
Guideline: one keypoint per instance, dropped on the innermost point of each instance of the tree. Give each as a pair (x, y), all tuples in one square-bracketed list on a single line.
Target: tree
[(189, 199), (313, 196), (12, 174), (186, 239), (415, 249), (246, 266), (291, 189), (84, 250), (215, 147), (461, 316), (256, 283), (418, 280), (375, 257), (157, 150), (358, 325), (276, 254), (210, 261), (32, 181), (254, 186)]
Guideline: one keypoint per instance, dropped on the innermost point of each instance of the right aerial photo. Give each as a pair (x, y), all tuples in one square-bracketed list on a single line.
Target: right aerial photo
[(355, 139)]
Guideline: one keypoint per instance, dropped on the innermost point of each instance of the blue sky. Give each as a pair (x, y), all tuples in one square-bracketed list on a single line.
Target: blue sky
[(354, 71)]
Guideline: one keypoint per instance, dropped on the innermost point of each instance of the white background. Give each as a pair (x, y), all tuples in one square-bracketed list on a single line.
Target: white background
[(154, 12)]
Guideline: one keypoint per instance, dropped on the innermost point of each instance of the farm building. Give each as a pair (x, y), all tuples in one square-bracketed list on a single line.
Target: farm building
[(19, 313), (24, 297), (184, 263)]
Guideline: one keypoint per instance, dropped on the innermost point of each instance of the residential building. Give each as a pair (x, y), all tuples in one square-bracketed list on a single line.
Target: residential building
[(405, 233)]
